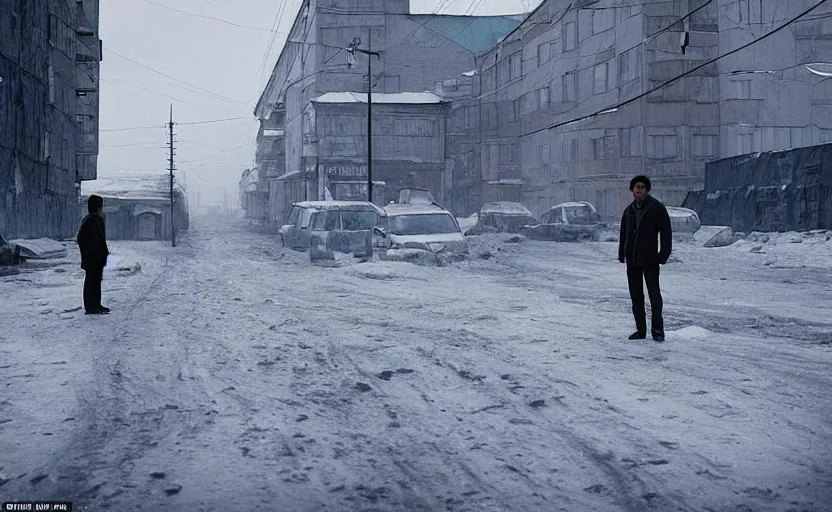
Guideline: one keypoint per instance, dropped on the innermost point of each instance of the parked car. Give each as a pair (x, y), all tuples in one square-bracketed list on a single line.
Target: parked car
[(683, 221), (346, 227), (8, 254), (567, 222), (502, 217), (420, 233), (415, 196), (296, 233)]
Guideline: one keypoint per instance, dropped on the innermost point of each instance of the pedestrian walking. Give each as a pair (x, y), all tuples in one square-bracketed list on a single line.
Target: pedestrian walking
[(644, 221), (92, 241)]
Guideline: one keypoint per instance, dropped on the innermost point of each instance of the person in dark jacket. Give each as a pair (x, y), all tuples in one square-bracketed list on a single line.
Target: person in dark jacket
[(92, 241), (644, 220)]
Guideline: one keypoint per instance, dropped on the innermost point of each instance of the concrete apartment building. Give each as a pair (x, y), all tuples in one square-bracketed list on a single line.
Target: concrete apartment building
[(567, 60), (571, 59), (49, 79), (416, 51)]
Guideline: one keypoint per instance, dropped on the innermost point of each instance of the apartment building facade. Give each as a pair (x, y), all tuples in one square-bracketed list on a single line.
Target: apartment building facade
[(49, 79), (415, 52)]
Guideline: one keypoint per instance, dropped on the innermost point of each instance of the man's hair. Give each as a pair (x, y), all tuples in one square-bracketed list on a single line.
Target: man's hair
[(640, 179), (95, 203)]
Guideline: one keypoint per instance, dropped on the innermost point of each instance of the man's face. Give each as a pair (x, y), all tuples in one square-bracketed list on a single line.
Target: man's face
[(639, 191)]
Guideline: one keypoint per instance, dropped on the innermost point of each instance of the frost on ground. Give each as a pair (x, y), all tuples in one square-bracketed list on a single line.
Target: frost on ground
[(233, 374)]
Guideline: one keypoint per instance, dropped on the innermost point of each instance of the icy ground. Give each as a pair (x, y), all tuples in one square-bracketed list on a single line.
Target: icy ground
[(233, 374)]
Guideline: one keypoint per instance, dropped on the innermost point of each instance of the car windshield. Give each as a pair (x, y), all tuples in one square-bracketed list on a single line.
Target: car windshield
[(580, 215), (425, 224), (500, 220), (358, 221)]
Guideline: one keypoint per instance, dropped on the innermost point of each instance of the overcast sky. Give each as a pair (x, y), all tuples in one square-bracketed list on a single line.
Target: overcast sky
[(215, 71)]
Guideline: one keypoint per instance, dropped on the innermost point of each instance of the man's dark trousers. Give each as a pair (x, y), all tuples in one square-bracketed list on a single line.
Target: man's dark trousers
[(636, 276), (92, 288)]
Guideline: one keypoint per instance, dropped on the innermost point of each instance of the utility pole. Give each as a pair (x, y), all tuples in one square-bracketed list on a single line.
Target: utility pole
[(171, 169), (351, 62)]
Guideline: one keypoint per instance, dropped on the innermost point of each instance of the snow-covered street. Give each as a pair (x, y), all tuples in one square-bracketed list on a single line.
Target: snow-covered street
[(233, 374)]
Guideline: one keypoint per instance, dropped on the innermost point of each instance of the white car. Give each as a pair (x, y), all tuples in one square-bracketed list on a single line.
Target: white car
[(683, 220), (421, 232)]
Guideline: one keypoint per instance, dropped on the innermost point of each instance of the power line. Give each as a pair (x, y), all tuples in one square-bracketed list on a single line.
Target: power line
[(189, 123), (212, 18), (121, 83), (213, 121), (683, 75), (174, 78)]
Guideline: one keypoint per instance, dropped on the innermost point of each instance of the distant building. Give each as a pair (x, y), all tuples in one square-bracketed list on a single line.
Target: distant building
[(138, 207), (417, 50), (408, 148), (571, 59), (49, 97)]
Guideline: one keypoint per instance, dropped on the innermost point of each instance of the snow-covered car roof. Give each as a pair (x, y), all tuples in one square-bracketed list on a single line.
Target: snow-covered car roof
[(573, 204), (677, 211), (506, 208), (325, 205), (396, 209)]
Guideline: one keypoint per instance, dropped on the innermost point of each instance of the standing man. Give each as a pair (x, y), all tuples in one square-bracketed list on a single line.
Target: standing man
[(644, 220), (92, 240)]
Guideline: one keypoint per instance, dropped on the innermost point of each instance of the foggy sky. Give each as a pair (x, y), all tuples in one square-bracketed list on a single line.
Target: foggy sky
[(213, 56)]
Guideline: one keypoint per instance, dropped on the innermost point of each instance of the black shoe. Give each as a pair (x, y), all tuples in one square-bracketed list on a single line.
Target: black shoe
[(658, 336), (104, 310), (638, 335), (100, 311)]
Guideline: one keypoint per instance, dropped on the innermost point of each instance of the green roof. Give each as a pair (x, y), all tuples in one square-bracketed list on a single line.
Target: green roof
[(474, 33)]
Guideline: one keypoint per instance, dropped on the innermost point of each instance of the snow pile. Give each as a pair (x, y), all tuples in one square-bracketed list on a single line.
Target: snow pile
[(810, 249), (692, 332), (466, 223)]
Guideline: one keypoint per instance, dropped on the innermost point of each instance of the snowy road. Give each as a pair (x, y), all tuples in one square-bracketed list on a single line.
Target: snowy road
[(233, 374)]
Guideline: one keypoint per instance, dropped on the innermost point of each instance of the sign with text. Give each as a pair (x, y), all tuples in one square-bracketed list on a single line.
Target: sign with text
[(346, 170)]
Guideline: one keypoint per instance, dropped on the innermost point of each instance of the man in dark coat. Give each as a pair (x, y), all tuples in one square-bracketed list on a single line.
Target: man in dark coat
[(643, 221), (92, 241)]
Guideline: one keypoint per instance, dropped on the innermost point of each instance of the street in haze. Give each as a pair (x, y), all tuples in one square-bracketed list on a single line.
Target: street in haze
[(233, 373)]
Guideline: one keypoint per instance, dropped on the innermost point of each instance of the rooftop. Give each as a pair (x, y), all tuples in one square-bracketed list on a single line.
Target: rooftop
[(506, 207), (474, 33), (396, 209), (401, 98), (137, 186)]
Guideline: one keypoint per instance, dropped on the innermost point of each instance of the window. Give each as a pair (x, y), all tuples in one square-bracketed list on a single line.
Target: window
[(569, 87), (358, 221), (569, 150), (705, 145), (745, 143), (625, 13), (630, 140), (602, 79), (543, 97), (516, 65), (423, 224), (293, 216), (742, 89), (629, 65), (543, 154), (305, 217), (515, 110), (602, 20), (47, 149), (542, 53), (51, 84), (663, 146), (599, 148), (509, 154), (570, 36)]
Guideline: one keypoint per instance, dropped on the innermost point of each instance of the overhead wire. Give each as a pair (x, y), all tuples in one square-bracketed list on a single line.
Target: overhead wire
[(226, 22), (683, 75), (219, 96)]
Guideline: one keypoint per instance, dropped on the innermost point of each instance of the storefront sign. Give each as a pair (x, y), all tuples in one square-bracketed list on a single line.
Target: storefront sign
[(346, 170)]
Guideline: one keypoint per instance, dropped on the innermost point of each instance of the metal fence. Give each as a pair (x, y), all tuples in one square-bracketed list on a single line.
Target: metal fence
[(773, 191)]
